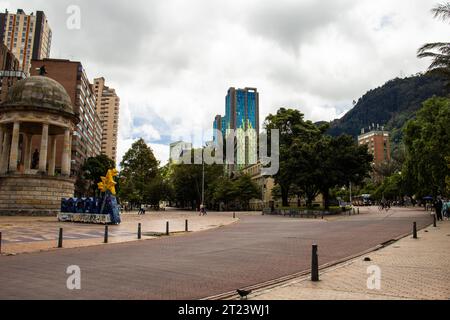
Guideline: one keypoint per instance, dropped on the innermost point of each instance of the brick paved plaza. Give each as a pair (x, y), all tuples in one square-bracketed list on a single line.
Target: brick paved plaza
[(32, 234), (200, 264)]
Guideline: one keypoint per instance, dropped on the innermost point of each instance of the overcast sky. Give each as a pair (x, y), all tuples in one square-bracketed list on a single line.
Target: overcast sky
[(172, 61)]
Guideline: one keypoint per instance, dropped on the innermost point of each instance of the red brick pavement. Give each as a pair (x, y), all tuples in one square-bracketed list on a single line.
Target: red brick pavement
[(257, 249)]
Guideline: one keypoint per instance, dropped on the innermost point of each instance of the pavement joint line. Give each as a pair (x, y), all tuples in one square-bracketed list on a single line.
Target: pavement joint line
[(231, 295)]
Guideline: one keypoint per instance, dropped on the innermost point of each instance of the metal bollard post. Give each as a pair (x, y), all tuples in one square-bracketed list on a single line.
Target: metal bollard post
[(0, 243), (186, 226), (60, 238), (415, 230), (314, 264), (434, 221), (106, 234), (358, 211), (139, 232), (167, 228), (234, 215)]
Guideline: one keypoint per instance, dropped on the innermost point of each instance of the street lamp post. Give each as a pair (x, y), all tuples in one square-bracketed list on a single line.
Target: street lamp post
[(203, 177)]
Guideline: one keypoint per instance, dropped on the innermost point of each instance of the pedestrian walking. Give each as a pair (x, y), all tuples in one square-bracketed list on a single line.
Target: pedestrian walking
[(203, 210), (438, 207)]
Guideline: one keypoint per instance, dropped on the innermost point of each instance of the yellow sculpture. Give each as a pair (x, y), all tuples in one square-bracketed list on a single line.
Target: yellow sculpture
[(108, 183)]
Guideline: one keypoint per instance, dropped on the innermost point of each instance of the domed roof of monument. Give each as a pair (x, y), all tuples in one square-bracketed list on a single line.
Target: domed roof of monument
[(39, 92)]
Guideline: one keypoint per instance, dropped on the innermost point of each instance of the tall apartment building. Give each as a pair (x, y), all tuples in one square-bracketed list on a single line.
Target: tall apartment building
[(241, 112), (71, 75), (377, 141), (26, 36), (9, 71), (108, 104)]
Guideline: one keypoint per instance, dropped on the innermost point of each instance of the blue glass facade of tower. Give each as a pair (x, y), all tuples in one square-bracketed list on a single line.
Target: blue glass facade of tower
[(241, 112)]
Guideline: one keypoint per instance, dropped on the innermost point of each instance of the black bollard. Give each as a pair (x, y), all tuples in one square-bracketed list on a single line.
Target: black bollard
[(234, 215), (0, 243), (415, 230), (167, 228), (60, 238), (106, 234), (434, 221), (139, 232), (314, 264), (358, 211), (186, 227)]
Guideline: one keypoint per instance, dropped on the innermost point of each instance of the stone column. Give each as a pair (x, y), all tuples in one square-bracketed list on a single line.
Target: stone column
[(27, 153), (5, 153), (14, 152), (44, 147), (52, 160), (65, 162), (1, 141)]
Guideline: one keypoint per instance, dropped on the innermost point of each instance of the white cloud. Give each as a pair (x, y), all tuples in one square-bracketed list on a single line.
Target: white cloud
[(173, 61)]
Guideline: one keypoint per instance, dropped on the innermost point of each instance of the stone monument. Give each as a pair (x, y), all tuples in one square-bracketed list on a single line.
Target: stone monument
[(30, 181)]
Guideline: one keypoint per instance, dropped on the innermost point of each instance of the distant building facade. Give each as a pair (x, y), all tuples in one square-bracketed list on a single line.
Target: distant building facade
[(177, 150), (108, 105), (378, 142), (9, 71), (241, 112), (71, 75), (26, 36)]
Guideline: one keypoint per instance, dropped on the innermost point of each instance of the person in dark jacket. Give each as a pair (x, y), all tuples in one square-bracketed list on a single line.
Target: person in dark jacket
[(438, 208)]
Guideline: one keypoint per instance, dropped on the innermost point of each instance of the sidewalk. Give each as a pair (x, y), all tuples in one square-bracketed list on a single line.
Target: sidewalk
[(410, 269)]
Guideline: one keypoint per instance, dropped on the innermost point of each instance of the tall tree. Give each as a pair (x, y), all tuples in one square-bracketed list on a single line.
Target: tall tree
[(139, 168), (94, 168), (245, 190), (439, 52), (427, 146), (340, 162), (294, 131)]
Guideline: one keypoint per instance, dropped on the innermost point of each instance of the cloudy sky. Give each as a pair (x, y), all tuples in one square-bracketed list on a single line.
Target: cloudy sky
[(172, 61)]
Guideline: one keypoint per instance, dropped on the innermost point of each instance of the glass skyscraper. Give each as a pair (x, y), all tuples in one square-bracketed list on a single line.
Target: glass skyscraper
[(242, 116)]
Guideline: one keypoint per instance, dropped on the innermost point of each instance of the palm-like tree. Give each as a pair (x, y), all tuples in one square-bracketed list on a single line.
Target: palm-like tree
[(438, 51)]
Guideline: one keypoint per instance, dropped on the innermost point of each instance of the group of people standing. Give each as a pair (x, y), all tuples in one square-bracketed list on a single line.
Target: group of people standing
[(442, 209)]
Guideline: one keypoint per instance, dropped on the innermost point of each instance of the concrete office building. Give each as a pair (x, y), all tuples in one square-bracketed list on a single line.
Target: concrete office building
[(107, 107), (26, 36)]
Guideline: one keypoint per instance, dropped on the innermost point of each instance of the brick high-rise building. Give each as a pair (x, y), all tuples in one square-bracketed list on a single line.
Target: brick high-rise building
[(88, 134), (9, 71), (377, 141), (108, 104), (26, 36)]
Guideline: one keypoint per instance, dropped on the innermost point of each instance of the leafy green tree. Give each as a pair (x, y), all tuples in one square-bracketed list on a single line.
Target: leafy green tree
[(294, 131), (139, 168), (245, 190), (427, 145), (341, 161), (186, 180), (224, 191), (94, 168), (392, 188), (438, 51)]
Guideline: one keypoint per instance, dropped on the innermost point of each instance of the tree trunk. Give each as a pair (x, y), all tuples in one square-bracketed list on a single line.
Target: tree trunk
[(326, 199), (285, 196)]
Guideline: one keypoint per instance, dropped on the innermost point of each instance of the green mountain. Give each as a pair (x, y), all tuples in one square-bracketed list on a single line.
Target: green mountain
[(390, 105)]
